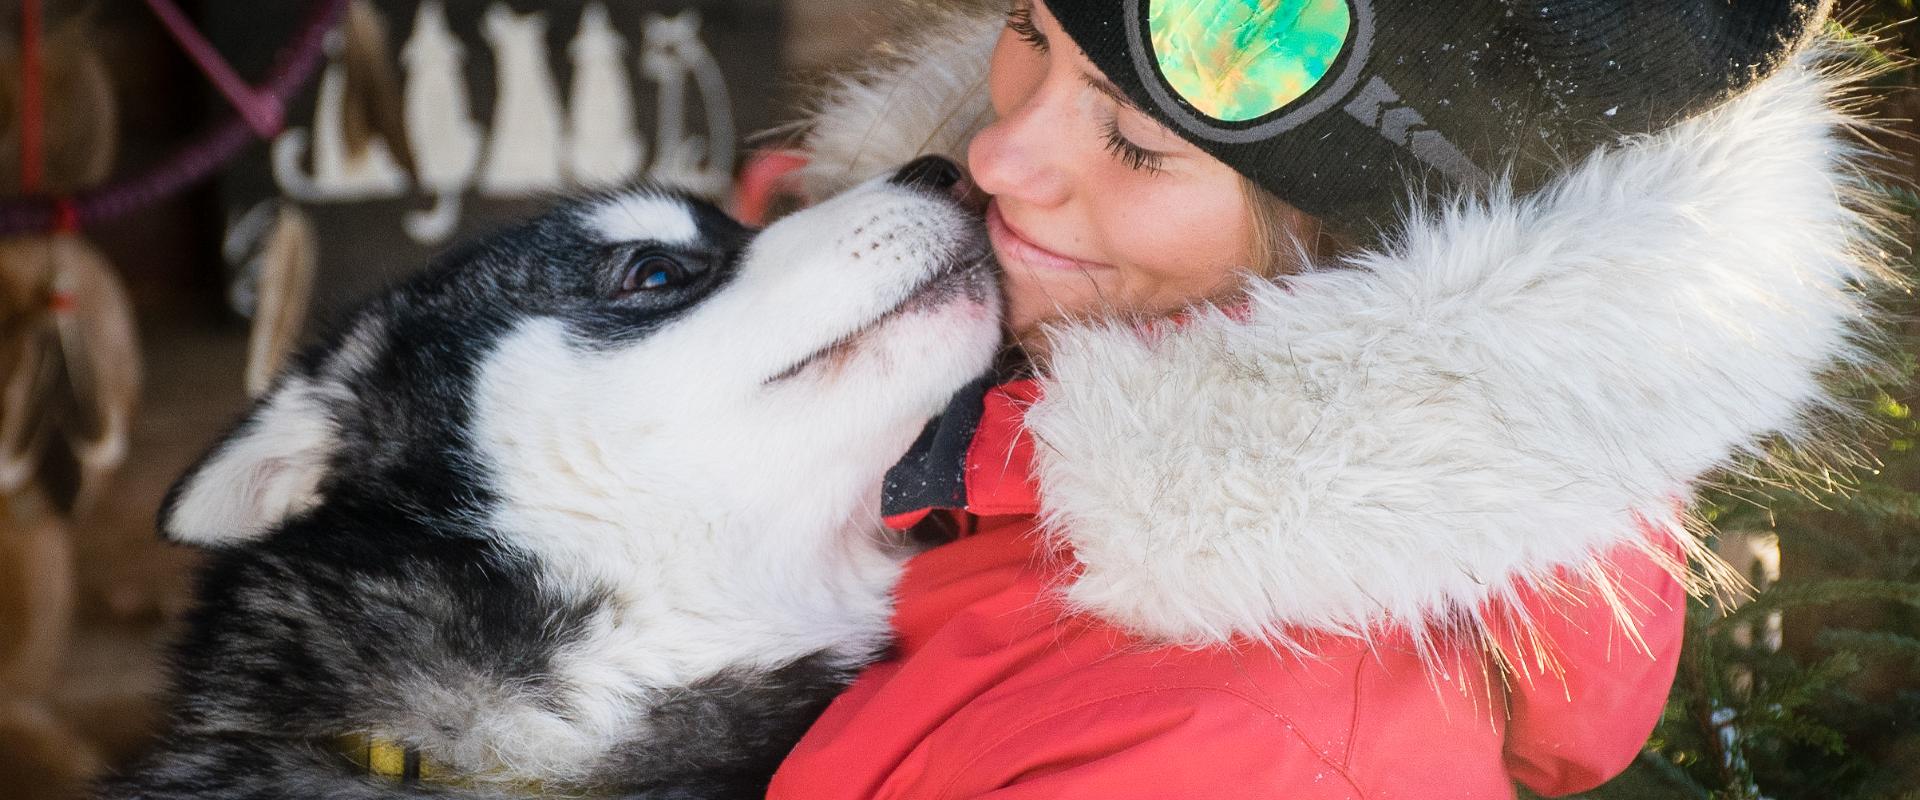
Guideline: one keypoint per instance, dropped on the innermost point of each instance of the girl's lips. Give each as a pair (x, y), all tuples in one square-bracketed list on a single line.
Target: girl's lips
[(1010, 244)]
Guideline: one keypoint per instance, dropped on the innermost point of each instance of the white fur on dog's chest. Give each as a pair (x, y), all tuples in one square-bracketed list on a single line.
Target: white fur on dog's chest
[(649, 634), (685, 579), (714, 527)]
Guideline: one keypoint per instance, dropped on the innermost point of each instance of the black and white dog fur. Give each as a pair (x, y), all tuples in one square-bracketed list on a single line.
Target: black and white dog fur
[(591, 505)]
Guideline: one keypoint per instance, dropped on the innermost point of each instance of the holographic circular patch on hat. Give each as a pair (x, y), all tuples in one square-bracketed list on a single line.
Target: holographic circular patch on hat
[(1237, 60)]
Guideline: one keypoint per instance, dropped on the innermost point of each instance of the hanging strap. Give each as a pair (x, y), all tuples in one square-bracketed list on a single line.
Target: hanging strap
[(261, 110)]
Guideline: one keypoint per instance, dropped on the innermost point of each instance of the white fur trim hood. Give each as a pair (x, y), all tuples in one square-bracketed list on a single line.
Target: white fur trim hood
[(1510, 386)]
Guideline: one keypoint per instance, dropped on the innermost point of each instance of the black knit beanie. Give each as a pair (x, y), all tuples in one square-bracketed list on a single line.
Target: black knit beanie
[(1348, 108)]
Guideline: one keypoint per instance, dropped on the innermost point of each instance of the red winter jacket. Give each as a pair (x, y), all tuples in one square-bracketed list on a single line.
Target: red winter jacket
[(998, 691), (1399, 528)]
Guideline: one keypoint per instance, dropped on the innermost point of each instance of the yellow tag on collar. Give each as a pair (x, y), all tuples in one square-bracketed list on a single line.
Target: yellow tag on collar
[(388, 759), (406, 766)]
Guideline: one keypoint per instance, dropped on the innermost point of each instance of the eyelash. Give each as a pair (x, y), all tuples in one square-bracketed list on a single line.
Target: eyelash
[(1020, 21), (1130, 154)]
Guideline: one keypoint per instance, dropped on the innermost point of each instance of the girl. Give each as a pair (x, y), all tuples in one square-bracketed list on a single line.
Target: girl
[(1323, 484)]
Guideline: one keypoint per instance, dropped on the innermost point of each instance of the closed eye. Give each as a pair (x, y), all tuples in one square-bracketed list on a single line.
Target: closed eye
[(1130, 154)]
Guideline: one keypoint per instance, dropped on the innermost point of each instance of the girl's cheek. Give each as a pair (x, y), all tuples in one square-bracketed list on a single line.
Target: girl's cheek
[(1195, 244)]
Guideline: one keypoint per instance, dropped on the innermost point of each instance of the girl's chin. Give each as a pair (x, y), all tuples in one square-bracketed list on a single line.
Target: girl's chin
[(1027, 332), (1031, 304)]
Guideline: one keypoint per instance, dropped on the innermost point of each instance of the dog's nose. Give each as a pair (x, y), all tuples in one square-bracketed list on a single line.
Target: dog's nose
[(932, 173)]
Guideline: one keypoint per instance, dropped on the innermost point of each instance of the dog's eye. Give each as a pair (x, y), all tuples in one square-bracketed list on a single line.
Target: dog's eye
[(653, 272)]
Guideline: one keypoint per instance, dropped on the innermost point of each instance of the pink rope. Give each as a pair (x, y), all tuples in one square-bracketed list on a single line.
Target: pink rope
[(263, 113), (295, 65)]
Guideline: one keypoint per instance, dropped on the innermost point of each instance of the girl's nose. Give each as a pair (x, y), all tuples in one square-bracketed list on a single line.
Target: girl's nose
[(1021, 155)]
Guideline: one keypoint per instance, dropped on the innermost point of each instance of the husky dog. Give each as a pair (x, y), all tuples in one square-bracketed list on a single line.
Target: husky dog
[(587, 509)]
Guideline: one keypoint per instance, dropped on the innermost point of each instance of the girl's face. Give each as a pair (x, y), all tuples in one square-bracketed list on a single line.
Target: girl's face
[(1097, 209)]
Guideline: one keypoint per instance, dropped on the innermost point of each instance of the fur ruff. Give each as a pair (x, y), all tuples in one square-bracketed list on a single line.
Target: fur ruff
[(868, 122), (1413, 437)]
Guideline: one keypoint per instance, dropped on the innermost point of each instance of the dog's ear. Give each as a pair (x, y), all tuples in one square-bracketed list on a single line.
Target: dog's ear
[(268, 469)]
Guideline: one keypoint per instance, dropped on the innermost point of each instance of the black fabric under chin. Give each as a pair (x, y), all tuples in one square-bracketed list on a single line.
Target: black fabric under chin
[(933, 472)]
